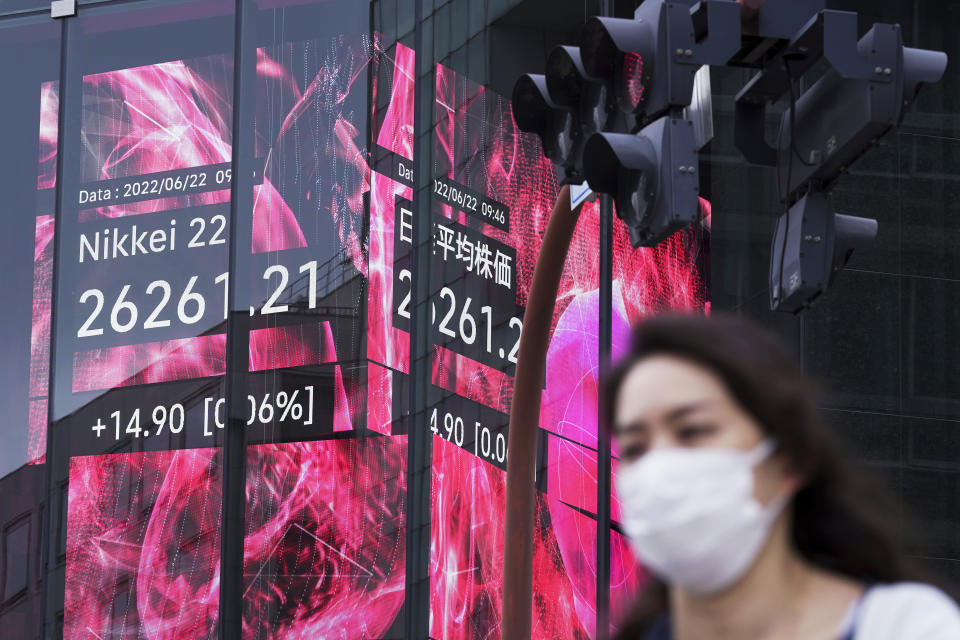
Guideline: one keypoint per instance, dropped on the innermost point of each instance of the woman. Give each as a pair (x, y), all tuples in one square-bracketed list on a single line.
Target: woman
[(734, 496)]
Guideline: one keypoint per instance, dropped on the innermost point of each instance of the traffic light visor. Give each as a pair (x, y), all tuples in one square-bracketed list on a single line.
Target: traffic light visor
[(566, 77), (531, 103)]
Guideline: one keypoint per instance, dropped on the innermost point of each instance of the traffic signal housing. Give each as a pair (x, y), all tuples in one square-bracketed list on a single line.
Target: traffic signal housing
[(535, 111), (870, 83), (650, 62), (839, 119), (652, 176), (811, 244)]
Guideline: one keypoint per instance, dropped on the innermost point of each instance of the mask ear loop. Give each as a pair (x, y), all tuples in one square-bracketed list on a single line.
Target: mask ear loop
[(755, 456), (762, 451)]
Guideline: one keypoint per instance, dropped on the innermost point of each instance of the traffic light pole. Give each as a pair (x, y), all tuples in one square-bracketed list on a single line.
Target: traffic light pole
[(603, 434), (605, 339), (525, 420)]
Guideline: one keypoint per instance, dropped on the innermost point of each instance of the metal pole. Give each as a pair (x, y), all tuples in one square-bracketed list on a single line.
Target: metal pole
[(603, 436), (525, 419), (51, 514), (237, 327), (419, 438)]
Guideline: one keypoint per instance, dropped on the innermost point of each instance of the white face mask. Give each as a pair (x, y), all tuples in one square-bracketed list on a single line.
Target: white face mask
[(691, 514)]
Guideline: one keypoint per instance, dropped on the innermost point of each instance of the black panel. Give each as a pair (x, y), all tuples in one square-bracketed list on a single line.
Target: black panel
[(931, 346), (868, 437), (930, 204), (851, 341)]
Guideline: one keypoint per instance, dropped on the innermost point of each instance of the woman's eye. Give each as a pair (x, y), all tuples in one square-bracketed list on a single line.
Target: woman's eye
[(632, 451), (694, 433)]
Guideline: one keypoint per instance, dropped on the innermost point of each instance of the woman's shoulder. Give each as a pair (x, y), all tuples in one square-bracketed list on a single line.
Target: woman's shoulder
[(908, 611)]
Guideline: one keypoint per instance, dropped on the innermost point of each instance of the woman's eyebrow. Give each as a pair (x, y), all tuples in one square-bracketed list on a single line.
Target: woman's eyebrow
[(634, 426), (679, 412)]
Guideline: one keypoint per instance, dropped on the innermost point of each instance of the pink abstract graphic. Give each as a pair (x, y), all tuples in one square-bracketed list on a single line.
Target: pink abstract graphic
[(170, 115), (386, 344), (323, 556), (291, 346), (512, 170), (43, 249), (311, 139), (40, 337), (466, 553), (49, 110), (325, 539), (379, 398), (143, 539), (200, 357), (150, 362)]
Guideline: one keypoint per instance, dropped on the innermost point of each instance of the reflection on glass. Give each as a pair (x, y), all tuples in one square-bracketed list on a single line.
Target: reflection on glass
[(29, 67), (325, 524), (16, 546), (140, 326), (491, 194)]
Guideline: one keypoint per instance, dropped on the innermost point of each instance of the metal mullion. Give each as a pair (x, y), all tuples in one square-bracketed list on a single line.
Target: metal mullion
[(52, 488), (419, 453), (238, 327), (603, 435)]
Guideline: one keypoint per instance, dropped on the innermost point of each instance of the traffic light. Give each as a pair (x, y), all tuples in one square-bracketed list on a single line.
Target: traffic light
[(840, 118), (614, 113), (651, 175), (623, 79), (650, 62), (811, 244), (621, 53), (535, 111), (647, 67), (870, 83)]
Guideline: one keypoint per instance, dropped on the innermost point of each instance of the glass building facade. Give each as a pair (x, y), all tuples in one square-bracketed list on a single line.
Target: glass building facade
[(259, 363)]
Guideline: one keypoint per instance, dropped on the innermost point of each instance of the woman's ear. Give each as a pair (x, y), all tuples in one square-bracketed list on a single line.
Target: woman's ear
[(792, 478), (775, 477)]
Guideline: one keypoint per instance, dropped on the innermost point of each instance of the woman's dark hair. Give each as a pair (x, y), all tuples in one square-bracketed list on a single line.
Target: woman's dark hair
[(839, 521)]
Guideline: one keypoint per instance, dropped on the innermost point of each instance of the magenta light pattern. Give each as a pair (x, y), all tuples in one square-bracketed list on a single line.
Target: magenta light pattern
[(478, 145), (325, 544), (43, 246), (143, 545)]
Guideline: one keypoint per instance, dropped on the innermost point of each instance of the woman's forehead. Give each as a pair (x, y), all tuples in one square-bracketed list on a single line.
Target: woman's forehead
[(661, 383)]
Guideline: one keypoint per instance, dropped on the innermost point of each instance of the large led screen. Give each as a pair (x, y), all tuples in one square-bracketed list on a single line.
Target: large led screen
[(29, 61), (325, 532), (327, 273), (141, 348), (491, 194), (143, 408)]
